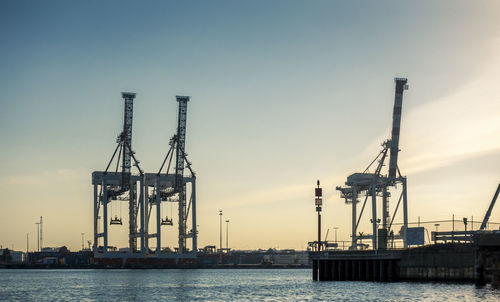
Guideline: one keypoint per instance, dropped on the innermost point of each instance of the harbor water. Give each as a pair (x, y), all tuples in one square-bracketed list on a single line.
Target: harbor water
[(218, 285)]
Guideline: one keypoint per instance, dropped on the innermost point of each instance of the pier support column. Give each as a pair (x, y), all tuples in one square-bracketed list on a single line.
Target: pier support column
[(383, 270), (320, 270), (334, 268), (315, 270), (479, 279), (348, 270), (329, 272), (376, 270), (354, 270), (361, 275), (368, 270), (345, 270), (323, 268), (340, 270), (390, 271)]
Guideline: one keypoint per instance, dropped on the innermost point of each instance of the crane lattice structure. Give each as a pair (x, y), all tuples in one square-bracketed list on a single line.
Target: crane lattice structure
[(378, 184)]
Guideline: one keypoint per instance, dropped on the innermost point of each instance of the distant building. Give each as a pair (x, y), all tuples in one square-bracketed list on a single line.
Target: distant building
[(60, 256), (10, 256)]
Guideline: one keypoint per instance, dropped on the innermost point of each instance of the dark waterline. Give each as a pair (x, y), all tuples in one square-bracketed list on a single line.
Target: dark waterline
[(218, 285)]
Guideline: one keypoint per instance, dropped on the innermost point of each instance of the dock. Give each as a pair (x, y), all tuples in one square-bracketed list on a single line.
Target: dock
[(477, 262)]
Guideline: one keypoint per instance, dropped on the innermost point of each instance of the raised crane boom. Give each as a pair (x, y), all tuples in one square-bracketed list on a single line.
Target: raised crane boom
[(179, 170), (126, 138), (181, 143), (490, 208), (396, 124)]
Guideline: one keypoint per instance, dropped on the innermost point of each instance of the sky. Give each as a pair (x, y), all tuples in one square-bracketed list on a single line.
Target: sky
[(282, 93)]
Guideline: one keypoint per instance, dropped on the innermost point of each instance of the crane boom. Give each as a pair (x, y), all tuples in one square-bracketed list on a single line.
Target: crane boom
[(396, 124), (126, 138), (490, 208), (181, 142)]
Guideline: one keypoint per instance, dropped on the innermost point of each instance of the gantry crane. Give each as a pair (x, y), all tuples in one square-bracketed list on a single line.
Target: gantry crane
[(142, 191), (377, 184)]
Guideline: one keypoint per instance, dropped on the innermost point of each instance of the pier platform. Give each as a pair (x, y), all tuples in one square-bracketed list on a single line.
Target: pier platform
[(439, 262), (478, 262)]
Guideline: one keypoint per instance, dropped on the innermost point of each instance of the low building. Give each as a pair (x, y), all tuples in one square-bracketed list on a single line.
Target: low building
[(9, 256)]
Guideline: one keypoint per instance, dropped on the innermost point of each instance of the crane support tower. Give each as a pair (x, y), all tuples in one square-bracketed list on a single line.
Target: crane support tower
[(376, 184)]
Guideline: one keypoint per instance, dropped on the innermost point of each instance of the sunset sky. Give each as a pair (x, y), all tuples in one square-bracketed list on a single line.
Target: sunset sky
[(282, 93)]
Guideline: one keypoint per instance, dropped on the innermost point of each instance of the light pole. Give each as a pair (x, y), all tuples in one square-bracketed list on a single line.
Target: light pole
[(220, 234), (227, 236), (83, 246), (41, 234), (37, 236)]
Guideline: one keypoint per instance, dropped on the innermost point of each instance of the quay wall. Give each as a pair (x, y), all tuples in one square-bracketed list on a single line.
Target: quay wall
[(441, 262)]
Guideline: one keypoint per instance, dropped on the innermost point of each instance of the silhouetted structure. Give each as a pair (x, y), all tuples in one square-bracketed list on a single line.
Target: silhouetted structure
[(142, 192), (377, 184)]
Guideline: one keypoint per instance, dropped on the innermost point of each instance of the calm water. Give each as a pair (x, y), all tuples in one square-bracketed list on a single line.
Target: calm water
[(217, 285)]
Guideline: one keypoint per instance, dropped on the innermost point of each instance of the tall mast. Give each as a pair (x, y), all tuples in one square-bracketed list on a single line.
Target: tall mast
[(41, 233)]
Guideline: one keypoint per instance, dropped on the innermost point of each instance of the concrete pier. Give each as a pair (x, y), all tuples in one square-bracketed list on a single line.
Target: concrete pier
[(441, 262), (487, 258), (355, 270), (355, 266)]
